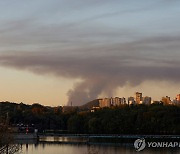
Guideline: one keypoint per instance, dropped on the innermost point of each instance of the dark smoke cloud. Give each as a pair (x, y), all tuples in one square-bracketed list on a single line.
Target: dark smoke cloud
[(126, 42), (102, 71)]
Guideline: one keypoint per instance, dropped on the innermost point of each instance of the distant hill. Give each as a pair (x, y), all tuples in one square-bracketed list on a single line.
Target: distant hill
[(89, 105), (12, 107)]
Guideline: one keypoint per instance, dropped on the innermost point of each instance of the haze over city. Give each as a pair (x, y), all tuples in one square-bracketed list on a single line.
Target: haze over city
[(55, 52)]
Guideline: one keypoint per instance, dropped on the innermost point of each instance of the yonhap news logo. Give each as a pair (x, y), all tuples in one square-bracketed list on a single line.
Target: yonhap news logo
[(141, 144)]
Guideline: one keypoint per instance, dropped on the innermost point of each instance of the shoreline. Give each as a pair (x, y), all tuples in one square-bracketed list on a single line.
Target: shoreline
[(110, 136), (91, 139), (121, 136)]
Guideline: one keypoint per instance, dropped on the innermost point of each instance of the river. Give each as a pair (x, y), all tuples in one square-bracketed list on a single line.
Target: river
[(66, 145)]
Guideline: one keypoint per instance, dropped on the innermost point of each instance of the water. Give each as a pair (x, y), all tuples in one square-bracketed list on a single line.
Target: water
[(87, 149), (59, 145)]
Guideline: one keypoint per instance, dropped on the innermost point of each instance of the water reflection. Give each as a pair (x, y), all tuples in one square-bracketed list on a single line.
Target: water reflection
[(63, 139), (87, 149), (67, 149), (52, 146), (91, 149)]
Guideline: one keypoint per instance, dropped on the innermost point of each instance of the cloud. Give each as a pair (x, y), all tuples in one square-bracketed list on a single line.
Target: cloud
[(103, 46), (105, 68)]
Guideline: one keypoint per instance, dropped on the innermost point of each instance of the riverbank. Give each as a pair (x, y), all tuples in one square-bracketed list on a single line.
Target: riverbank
[(114, 139), (24, 136), (27, 136)]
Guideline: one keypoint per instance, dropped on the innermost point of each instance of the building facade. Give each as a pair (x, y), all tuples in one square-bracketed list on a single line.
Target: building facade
[(138, 97), (146, 100), (108, 102), (105, 102), (131, 100), (166, 100)]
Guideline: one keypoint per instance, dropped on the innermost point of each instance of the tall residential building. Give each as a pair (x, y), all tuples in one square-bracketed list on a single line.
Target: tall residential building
[(178, 97), (123, 101), (119, 101), (166, 100), (108, 102), (176, 101), (138, 97), (146, 100), (116, 101), (131, 100), (105, 102)]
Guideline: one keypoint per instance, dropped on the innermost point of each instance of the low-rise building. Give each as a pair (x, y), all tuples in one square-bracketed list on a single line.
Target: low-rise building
[(94, 109)]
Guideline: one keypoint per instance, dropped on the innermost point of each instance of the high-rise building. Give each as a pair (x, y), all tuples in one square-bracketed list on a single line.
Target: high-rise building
[(131, 100), (116, 101), (108, 102), (166, 100), (119, 101), (178, 97), (176, 101), (123, 101), (138, 97), (146, 100), (105, 102)]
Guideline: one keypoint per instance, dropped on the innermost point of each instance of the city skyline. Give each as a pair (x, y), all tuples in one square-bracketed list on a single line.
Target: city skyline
[(138, 98), (53, 52)]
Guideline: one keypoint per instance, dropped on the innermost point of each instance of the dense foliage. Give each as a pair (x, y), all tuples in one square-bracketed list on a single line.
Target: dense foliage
[(5, 136), (139, 119)]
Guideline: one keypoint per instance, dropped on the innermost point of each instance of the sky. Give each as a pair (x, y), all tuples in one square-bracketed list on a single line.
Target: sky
[(55, 52)]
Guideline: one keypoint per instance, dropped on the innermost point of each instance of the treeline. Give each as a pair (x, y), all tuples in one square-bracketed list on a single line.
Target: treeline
[(139, 119), (5, 136)]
